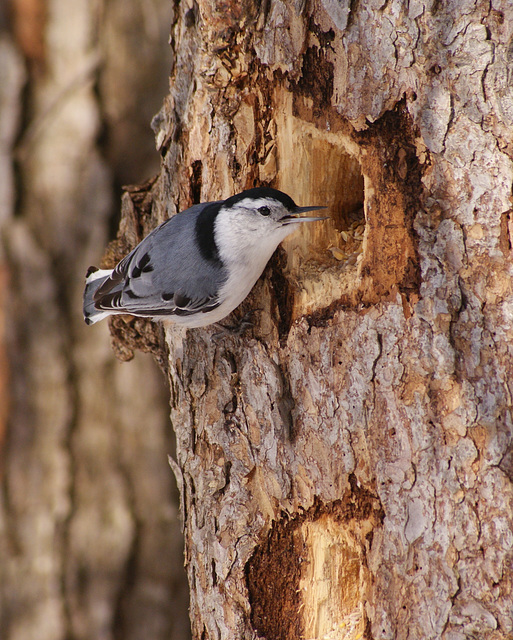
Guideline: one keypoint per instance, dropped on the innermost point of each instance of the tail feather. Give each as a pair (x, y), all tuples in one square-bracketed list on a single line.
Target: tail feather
[(94, 280)]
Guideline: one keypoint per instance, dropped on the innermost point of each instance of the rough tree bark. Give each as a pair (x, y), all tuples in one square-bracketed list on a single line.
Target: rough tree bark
[(346, 467)]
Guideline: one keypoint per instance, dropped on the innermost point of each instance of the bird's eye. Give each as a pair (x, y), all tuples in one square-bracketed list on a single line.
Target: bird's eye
[(265, 211)]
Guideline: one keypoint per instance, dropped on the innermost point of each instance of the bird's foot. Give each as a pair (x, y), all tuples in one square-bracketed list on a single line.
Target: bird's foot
[(236, 329)]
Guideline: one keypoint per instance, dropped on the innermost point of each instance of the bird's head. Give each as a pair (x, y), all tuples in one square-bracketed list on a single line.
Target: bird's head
[(265, 213)]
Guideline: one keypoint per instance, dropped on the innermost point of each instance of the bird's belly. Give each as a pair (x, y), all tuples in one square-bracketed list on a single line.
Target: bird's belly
[(233, 292)]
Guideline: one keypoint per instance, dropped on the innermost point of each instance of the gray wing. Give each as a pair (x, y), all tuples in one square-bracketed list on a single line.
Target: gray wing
[(165, 274)]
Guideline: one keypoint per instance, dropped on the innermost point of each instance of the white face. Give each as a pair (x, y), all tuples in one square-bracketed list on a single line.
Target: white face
[(251, 230), (246, 236), (246, 239), (258, 217)]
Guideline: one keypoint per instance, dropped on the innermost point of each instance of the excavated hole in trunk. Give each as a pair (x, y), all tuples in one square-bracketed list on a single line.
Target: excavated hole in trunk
[(309, 577), (323, 258)]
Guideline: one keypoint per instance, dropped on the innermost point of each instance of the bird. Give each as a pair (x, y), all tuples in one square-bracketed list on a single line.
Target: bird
[(198, 266)]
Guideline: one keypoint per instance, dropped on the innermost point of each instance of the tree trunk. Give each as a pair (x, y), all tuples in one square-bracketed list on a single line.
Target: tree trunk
[(346, 466)]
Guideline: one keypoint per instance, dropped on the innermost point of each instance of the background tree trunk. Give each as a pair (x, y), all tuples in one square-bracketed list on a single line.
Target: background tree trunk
[(90, 541), (346, 468)]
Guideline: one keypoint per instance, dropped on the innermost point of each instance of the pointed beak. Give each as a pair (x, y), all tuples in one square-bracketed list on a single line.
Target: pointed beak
[(296, 216)]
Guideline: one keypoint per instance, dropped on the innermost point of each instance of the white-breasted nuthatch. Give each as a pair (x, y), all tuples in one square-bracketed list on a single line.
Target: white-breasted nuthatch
[(198, 266)]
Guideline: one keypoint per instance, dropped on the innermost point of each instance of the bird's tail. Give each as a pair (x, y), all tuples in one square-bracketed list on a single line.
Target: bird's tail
[(94, 279)]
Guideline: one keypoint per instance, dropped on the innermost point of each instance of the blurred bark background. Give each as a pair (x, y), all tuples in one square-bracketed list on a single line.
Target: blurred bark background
[(345, 467), (90, 541)]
